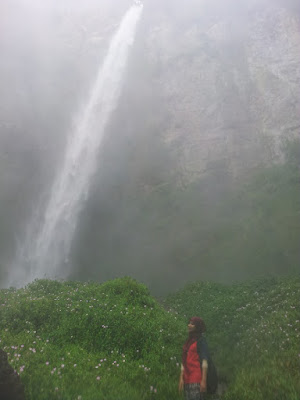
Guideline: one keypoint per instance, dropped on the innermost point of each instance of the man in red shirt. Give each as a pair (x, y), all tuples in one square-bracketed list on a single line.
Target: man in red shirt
[(194, 361)]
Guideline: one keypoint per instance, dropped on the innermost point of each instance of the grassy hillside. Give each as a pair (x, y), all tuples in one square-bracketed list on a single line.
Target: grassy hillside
[(109, 341), (254, 334), (114, 341)]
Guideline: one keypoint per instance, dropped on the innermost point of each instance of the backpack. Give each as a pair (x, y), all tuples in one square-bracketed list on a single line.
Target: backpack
[(212, 377)]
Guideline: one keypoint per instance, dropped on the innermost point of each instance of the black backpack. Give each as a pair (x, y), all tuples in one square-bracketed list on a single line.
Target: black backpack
[(212, 377)]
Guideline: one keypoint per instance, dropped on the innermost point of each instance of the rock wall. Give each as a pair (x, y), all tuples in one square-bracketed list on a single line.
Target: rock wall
[(230, 79), (11, 387)]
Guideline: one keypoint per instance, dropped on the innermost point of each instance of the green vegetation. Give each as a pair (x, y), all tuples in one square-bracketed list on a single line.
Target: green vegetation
[(212, 229), (257, 226), (243, 231), (114, 341), (253, 331), (109, 341)]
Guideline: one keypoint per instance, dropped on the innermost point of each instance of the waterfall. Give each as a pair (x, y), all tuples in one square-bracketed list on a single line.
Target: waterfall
[(45, 252)]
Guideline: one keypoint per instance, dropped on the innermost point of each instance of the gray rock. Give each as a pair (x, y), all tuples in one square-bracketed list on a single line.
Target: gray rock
[(230, 80), (11, 387)]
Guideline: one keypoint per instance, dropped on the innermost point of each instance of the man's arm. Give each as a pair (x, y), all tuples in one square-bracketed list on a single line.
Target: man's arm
[(202, 350), (204, 375), (180, 386)]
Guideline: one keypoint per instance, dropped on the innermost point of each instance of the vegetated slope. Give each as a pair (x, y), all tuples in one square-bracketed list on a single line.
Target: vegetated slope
[(108, 341), (253, 331), (114, 341), (257, 228), (210, 230)]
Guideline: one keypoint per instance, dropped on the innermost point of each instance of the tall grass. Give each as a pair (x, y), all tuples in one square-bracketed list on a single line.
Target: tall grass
[(115, 341), (254, 333), (75, 340)]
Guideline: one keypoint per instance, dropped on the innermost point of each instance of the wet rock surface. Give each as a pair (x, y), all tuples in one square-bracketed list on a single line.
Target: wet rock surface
[(229, 80), (11, 387)]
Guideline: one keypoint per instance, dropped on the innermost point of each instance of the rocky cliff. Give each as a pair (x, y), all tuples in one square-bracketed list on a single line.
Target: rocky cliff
[(228, 78), (11, 387)]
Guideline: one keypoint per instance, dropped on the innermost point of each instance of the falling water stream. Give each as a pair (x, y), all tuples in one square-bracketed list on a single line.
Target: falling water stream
[(46, 252)]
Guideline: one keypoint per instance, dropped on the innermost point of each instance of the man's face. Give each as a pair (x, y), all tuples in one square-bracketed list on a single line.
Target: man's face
[(191, 327)]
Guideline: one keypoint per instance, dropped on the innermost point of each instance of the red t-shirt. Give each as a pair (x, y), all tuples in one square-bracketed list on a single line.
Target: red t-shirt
[(192, 370)]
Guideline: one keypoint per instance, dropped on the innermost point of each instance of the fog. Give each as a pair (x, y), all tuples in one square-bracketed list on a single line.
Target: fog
[(138, 219)]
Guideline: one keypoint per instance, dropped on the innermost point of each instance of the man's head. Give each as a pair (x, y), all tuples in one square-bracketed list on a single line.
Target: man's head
[(196, 325)]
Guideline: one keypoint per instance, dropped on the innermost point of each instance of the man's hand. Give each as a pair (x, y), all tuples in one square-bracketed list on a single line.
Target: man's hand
[(203, 386), (180, 386)]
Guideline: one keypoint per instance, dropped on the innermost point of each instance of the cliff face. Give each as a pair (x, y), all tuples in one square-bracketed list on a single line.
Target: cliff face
[(229, 80)]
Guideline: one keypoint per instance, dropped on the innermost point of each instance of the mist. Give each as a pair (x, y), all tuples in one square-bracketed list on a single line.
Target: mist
[(208, 101)]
